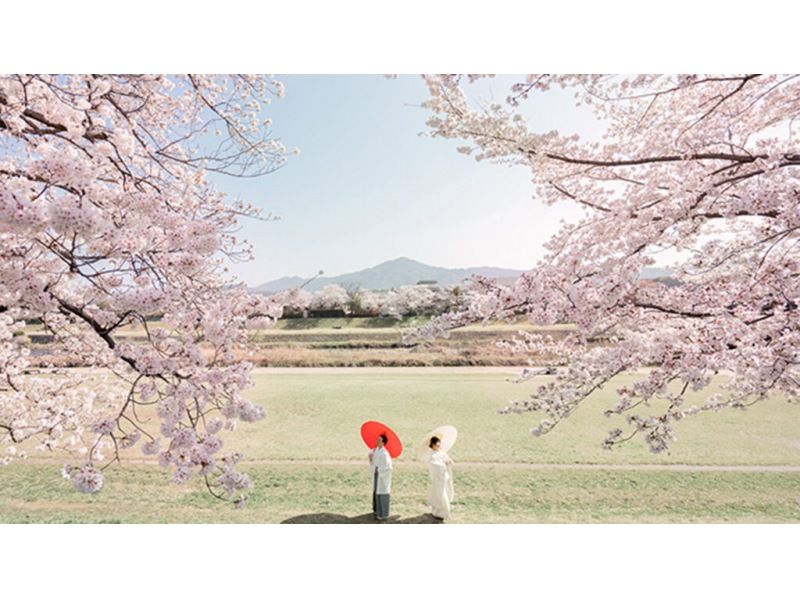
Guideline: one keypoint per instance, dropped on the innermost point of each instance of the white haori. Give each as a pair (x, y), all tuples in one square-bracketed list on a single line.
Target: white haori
[(382, 463)]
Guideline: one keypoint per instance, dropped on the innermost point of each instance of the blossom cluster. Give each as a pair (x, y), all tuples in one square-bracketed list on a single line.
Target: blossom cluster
[(85, 478), (705, 168), (108, 222)]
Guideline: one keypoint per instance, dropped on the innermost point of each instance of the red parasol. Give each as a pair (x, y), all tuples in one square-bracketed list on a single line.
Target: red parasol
[(371, 430)]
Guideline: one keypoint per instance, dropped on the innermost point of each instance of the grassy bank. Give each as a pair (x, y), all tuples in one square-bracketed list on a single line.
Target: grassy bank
[(297, 493), (316, 413)]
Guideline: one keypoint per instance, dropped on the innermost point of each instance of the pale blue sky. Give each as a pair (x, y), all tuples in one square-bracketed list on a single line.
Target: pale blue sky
[(367, 187)]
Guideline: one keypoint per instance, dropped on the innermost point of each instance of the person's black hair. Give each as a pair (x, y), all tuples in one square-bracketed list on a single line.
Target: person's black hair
[(383, 437), (434, 440)]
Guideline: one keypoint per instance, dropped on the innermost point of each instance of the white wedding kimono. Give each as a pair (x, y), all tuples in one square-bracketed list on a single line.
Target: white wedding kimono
[(440, 494), (381, 469)]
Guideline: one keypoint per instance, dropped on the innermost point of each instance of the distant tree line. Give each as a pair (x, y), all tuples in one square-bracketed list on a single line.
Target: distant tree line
[(336, 301)]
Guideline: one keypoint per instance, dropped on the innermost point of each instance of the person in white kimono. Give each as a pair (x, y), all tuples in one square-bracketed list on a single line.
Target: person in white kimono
[(440, 494), (380, 462)]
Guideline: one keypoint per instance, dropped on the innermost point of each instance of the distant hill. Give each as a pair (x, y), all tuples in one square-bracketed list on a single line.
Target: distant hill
[(654, 273), (663, 276), (404, 271), (280, 284), (394, 273)]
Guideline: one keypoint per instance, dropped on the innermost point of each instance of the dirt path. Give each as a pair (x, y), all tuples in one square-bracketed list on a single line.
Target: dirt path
[(488, 465), (550, 466)]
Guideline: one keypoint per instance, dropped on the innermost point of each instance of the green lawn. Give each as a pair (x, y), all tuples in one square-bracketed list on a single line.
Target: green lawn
[(316, 414), (340, 494), (308, 463)]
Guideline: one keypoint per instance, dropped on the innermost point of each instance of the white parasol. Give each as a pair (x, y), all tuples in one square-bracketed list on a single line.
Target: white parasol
[(447, 435)]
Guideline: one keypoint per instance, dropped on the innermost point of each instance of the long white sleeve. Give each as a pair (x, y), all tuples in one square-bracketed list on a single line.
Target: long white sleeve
[(382, 462), (437, 495)]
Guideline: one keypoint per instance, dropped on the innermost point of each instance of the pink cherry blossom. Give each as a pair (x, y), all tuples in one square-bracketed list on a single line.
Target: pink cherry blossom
[(87, 479), (153, 447), (108, 220), (703, 167)]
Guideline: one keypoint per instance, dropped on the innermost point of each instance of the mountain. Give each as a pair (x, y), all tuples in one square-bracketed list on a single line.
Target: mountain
[(394, 273), (404, 271), (280, 284), (663, 276), (653, 273)]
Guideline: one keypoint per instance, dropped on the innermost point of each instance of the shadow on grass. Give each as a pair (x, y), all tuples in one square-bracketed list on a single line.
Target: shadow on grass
[(334, 518)]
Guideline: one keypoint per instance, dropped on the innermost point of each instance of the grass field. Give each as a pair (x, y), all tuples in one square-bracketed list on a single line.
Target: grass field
[(340, 494), (315, 414), (308, 463)]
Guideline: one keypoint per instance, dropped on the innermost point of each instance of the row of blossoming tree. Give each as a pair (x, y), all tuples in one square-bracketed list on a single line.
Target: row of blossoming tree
[(410, 300)]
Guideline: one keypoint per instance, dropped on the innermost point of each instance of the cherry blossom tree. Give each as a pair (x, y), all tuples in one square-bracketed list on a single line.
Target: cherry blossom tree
[(702, 167), (411, 300), (107, 218), (330, 297), (295, 301)]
